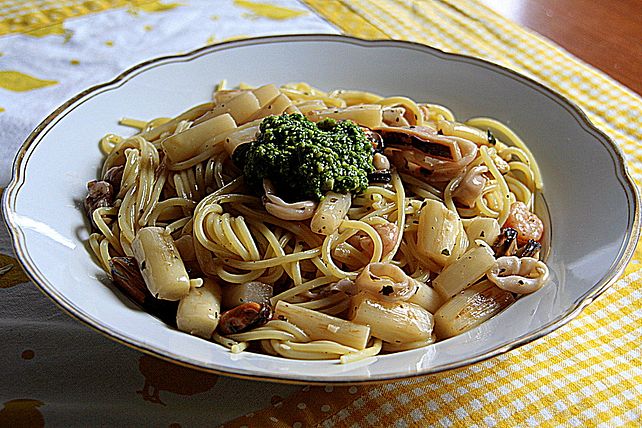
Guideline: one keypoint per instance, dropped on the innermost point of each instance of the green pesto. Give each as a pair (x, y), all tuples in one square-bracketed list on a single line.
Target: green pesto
[(305, 160)]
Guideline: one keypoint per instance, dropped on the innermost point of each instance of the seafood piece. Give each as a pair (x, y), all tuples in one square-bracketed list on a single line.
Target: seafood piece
[(530, 249), (127, 278), (422, 152), (425, 112), (389, 232), (244, 317), (471, 186), (394, 116), (114, 176), (185, 247), (380, 177), (374, 138), (380, 162), (345, 286), (527, 224), (506, 244), (276, 206), (100, 194), (519, 275), (382, 172), (386, 281)]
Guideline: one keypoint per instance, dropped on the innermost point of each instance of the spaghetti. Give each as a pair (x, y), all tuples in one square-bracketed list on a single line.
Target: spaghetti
[(398, 266)]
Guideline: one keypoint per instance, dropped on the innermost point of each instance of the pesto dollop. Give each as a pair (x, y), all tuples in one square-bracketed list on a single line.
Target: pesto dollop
[(304, 159)]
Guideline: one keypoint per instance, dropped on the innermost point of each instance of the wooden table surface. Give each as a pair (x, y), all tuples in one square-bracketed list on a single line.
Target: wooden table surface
[(605, 34)]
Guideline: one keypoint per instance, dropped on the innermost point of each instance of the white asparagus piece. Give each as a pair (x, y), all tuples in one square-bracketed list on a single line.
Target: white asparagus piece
[(464, 272), (240, 136), (266, 93), (170, 126), (241, 107), (426, 297), (307, 107), (199, 312), (187, 144), (160, 264), (275, 107), (394, 322), (319, 326), (352, 97), (456, 129), (223, 95), (368, 115), (438, 233), (292, 109), (484, 228), (330, 213), (470, 308)]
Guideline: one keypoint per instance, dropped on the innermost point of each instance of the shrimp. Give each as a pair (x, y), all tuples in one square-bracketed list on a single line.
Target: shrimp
[(527, 224)]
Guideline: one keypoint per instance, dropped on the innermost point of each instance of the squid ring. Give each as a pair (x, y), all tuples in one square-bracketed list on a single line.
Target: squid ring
[(386, 281), (519, 275)]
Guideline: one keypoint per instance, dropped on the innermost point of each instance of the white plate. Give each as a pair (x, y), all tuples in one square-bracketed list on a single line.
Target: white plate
[(593, 202)]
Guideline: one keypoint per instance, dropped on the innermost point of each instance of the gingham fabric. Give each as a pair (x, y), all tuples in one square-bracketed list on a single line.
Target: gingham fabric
[(587, 373)]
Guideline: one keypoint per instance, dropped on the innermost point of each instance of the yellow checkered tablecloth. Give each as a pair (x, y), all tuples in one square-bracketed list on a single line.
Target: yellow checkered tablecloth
[(587, 373)]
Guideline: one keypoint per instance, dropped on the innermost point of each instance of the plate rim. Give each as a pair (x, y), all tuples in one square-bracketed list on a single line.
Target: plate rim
[(625, 252)]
